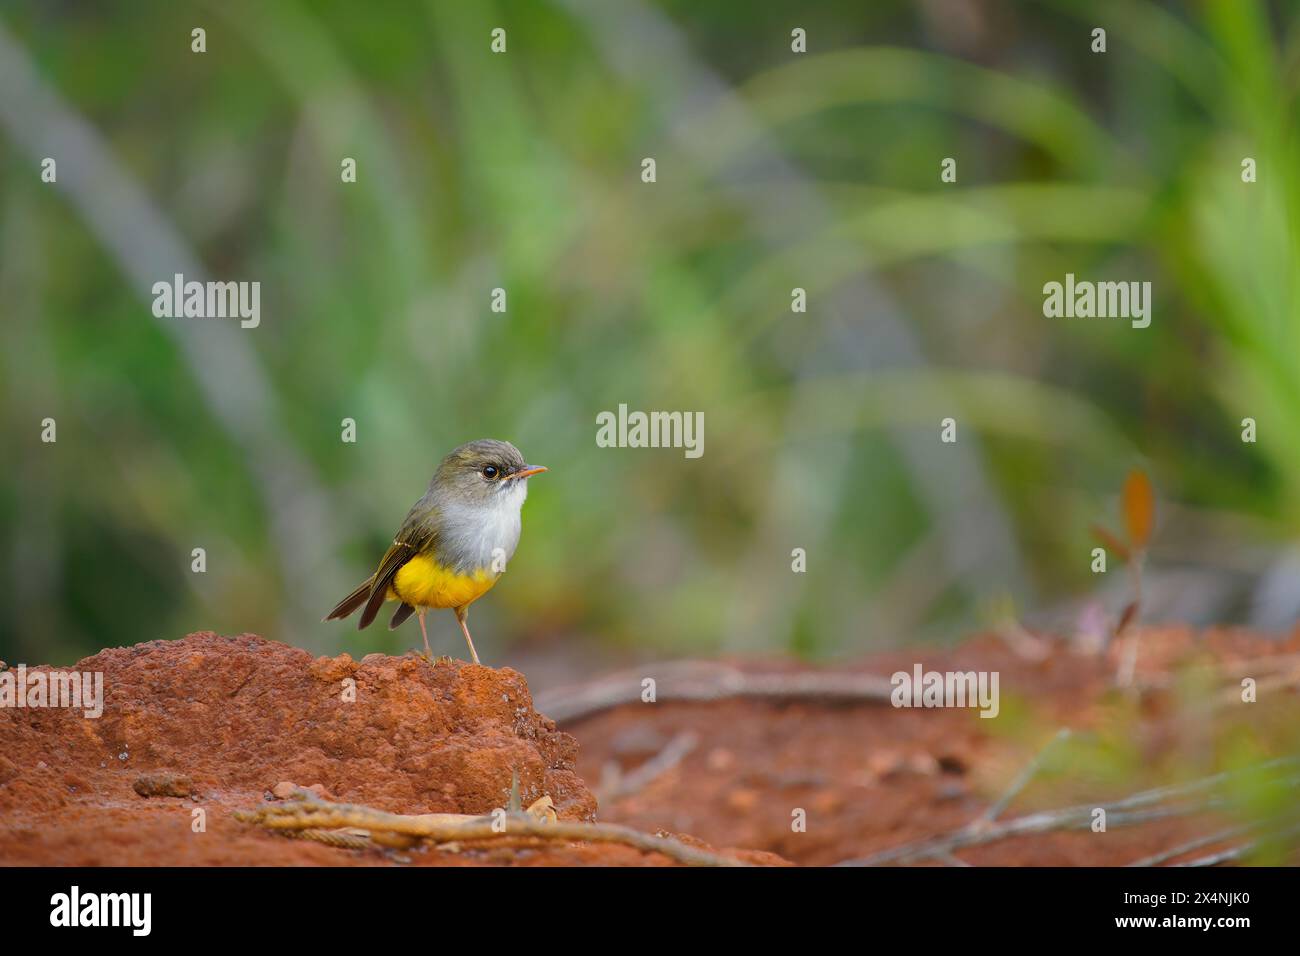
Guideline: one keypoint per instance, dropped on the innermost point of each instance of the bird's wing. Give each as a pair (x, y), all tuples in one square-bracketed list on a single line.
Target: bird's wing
[(418, 534)]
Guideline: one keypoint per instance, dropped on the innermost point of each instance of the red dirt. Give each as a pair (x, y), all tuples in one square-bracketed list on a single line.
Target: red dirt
[(871, 777), (227, 719)]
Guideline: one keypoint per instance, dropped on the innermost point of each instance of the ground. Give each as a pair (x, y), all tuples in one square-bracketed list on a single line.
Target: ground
[(216, 724)]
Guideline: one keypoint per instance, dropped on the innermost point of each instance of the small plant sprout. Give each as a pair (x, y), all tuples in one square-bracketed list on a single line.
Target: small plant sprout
[(1138, 510)]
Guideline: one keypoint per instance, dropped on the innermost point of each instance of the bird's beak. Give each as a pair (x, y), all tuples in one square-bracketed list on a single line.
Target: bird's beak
[(528, 470)]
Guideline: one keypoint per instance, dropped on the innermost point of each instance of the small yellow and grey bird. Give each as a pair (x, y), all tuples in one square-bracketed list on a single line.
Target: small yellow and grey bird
[(455, 541)]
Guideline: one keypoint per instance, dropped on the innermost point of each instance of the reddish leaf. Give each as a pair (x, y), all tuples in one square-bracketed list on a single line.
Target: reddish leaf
[(1139, 502), (1110, 541)]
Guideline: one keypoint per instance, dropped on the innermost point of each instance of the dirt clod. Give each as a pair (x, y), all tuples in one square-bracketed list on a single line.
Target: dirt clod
[(164, 784)]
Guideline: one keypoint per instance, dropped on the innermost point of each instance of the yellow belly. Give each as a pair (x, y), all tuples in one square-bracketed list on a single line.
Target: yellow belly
[(422, 582)]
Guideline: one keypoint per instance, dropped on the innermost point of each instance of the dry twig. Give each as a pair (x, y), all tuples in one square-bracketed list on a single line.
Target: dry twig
[(622, 785), (1164, 856), (1024, 777), (1237, 852), (1157, 803), (707, 681), (400, 831)]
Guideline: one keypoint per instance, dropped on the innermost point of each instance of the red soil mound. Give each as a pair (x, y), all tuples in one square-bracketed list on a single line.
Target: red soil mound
[(214, 724), (243, 713)]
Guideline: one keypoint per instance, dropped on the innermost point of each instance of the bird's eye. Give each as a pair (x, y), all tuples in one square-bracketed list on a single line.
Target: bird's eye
[(490, 471)]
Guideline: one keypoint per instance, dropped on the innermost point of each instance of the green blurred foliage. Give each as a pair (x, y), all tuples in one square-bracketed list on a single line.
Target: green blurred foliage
[(522, 171)]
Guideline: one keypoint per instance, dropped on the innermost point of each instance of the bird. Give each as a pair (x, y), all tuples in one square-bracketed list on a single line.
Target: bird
[(455, 542)]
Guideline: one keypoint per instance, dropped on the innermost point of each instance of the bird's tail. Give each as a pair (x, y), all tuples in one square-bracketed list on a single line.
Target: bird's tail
[(351, 602)]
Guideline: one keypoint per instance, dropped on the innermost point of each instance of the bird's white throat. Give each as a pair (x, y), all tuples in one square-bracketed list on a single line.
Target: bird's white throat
[(484, 535)]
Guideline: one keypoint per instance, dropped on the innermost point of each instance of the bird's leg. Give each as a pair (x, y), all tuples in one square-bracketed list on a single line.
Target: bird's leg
[(428, 654), (462, 613)]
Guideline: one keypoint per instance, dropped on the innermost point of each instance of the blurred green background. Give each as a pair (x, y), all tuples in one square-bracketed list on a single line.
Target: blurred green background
[(775, 170)]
